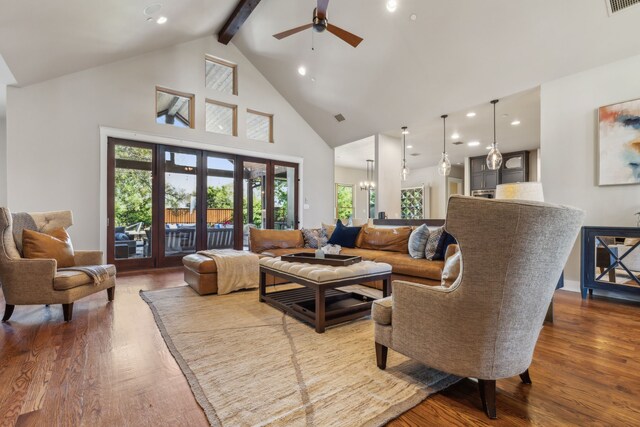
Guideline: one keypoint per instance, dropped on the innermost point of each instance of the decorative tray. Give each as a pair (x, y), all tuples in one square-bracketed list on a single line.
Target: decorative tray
[(333, 260)]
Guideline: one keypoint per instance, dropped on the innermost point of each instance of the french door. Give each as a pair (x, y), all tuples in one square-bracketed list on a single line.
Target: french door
[(165, 202)]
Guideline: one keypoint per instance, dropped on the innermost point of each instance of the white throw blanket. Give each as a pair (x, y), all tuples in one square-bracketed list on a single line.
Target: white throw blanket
[(236, 269)]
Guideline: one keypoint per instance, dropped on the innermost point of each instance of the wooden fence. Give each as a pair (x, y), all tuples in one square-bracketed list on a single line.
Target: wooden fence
[(184, 216)]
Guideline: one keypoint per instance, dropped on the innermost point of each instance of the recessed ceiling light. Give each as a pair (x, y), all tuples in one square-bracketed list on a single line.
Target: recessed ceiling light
[(161, 20), (392, 5), (488, 147), (473, 143), (471, 114), (413, 16), (515, 123), (409, 146), (302, 70), (456, 135)]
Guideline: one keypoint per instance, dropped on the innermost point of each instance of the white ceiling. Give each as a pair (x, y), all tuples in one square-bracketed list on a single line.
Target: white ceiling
[(355, 154), (456, 54)]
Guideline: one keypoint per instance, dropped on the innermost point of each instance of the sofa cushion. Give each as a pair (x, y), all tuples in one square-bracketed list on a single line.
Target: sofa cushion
[(56, 245), (404, 264), (65, 280), (344, 236), (381, 310), (262, 240), (385, 239), (314, 237), (418, 241), (451, 270)]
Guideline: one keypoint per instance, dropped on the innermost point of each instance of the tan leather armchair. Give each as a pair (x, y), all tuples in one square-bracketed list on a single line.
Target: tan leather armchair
[(487, 323), (37, 281)]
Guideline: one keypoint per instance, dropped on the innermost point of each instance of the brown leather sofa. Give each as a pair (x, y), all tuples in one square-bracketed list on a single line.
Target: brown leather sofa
[(375, 244)]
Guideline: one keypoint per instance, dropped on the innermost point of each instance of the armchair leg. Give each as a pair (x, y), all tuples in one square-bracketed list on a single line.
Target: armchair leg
[(8, 311), (488, 397), (111, 293), (67, 311), (381, 356), (526, 379)]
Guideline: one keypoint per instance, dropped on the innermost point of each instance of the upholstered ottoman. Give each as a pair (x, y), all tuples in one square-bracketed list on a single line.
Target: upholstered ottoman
[(201, 273)]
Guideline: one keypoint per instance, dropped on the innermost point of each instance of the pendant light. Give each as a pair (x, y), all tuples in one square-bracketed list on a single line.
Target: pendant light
[(494, 158), (405, 170), (444, 167), (369, 184)]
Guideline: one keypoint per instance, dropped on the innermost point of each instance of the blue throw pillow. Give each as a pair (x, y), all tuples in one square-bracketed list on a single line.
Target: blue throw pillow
[(344, 236), (445, 240), (121, 237)]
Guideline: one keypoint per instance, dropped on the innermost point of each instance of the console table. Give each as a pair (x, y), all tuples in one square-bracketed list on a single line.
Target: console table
[(610, 260)]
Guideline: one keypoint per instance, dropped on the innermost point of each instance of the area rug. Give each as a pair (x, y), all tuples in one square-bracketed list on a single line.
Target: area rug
[(248, 364)]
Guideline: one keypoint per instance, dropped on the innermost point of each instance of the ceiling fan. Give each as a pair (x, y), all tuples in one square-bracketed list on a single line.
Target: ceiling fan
[(321, 23)]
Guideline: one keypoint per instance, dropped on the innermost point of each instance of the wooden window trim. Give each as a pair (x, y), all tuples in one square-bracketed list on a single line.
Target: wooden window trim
[(219, 61), (270, 116), (192, 103), (234, 126)]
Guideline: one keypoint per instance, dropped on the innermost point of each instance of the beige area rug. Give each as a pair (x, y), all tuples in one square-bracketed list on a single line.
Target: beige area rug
[(248, 364)]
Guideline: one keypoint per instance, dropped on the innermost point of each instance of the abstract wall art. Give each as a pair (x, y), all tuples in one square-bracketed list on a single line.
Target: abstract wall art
[(619, 149)]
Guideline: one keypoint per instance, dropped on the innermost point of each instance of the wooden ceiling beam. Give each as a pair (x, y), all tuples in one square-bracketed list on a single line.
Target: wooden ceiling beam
[(237, 18)]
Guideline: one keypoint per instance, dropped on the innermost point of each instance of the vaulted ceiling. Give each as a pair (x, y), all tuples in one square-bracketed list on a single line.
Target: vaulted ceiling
[(455, 54)]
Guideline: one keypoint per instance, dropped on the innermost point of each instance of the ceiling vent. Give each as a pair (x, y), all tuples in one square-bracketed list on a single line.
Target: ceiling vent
[(458, 143), (340, 117), (614, 6), (414, 154)]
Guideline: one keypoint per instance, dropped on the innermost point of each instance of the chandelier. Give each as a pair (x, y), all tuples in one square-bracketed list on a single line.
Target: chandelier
[(369, 184)]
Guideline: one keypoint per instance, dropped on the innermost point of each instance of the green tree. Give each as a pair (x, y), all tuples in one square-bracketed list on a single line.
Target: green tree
[(175, 198), (220, 197), (344, 202), (132, 197)]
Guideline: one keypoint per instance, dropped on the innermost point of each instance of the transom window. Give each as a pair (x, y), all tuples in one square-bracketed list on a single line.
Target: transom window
[(174, 108), (221, 75), (259, 126), (221, 117)]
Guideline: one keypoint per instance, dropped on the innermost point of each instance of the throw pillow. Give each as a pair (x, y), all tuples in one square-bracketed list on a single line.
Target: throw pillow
[(451, 270), (56, 245), (432, 243), (418, 241), (445, 240), (314, 238), (344, 236)]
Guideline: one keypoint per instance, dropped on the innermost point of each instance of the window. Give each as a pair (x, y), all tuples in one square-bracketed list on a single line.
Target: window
[(259, 126), (221, 118), (344, 201), (174, 108), (221, 75)]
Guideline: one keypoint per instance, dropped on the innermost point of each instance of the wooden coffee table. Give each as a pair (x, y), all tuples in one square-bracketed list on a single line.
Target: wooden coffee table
[(318, 302)]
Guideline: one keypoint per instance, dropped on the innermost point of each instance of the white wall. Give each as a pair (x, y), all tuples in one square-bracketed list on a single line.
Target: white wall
[(429, 177), (3, 161), (569, 143), (389, 175), (54, 130), (354, 177)]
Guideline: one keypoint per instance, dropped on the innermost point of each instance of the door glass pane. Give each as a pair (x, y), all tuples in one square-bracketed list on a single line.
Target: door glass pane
[(284, 204), (219, 202), (180, 203), (254, 199), (133, 202)]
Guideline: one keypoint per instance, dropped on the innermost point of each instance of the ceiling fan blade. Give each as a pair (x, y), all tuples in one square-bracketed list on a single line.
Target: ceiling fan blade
[(292, 31), (345, 35), (322, 8)]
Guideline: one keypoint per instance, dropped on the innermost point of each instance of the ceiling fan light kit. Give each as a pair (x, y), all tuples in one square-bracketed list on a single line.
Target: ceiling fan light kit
[(320, 23)]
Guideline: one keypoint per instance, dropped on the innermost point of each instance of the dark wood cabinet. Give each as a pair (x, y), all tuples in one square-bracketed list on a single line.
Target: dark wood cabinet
[(515, 168)]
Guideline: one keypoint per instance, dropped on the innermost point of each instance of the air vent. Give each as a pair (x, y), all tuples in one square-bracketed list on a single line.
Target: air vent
[(458, 143), (415, 154), (614, 6), (340, 118)]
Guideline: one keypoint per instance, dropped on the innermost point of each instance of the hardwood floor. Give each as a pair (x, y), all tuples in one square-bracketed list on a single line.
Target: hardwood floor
[(110, 366)]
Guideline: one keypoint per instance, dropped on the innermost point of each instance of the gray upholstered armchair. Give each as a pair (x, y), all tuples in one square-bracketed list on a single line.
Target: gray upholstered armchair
[(38, 281), (486, 324)]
